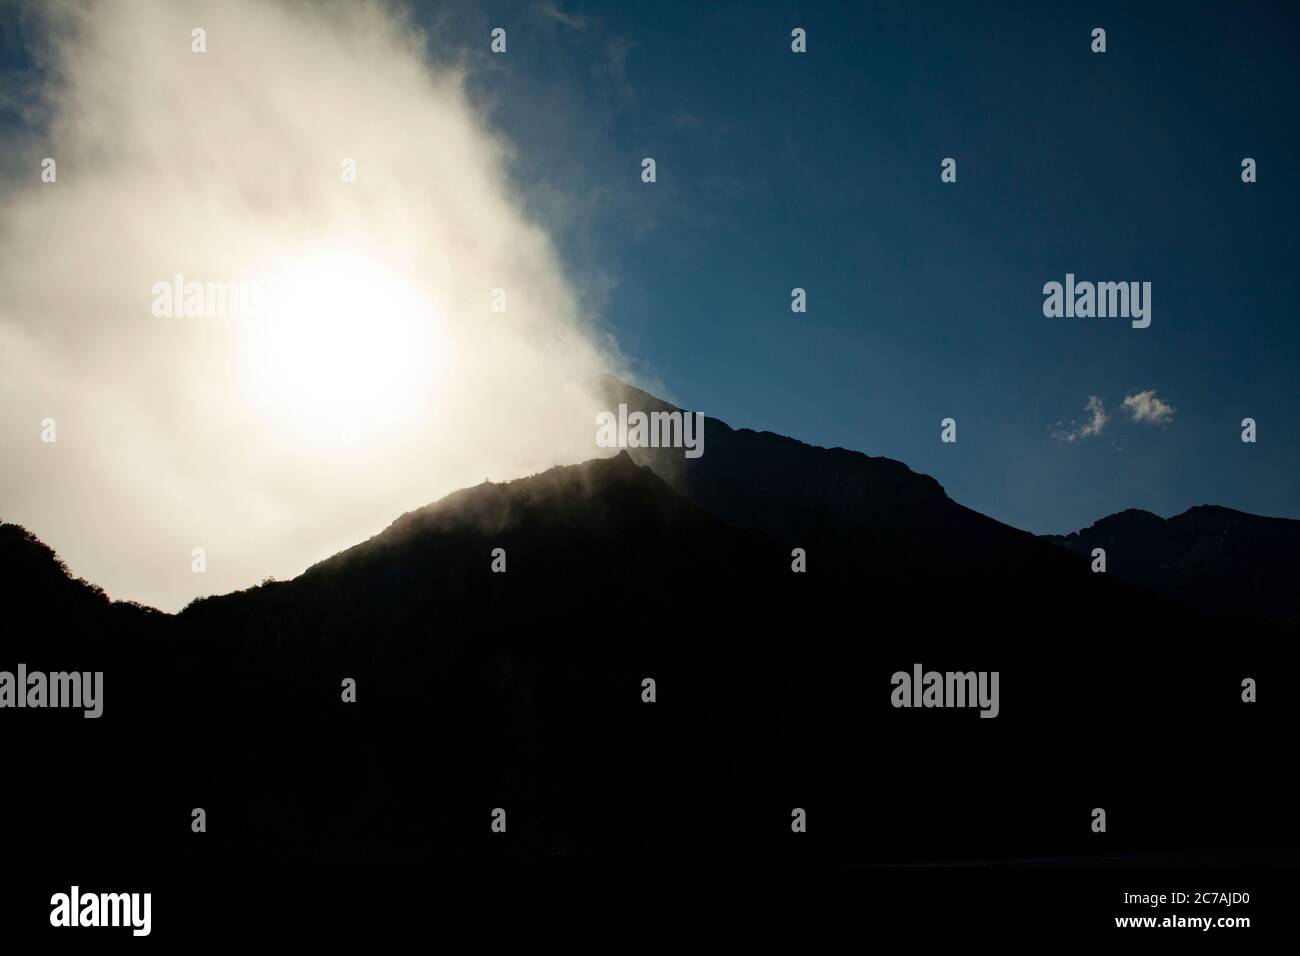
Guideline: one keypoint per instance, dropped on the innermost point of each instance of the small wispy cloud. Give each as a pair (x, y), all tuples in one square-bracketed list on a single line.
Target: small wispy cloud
[(1146, 408), (1096, 421), (611, 68), (552, 11)]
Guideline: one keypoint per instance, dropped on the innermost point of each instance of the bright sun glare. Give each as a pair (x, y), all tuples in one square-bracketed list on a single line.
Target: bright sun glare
[(342, 341)]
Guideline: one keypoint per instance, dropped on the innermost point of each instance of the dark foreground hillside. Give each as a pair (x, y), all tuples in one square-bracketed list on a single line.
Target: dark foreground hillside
[(522, 690)]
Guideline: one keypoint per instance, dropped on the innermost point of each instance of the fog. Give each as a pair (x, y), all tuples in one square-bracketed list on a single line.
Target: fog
[(374, 376)]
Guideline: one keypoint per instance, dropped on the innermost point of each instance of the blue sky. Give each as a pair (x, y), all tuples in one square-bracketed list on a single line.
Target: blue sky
[(821, 171)]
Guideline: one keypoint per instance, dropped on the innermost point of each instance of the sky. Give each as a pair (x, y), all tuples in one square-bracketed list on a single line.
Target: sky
[(822, 171), (522, 170)]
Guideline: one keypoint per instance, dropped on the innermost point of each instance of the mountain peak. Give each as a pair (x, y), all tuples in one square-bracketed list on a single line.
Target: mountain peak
[(1128, 520), (1213, 558), (614, 391)]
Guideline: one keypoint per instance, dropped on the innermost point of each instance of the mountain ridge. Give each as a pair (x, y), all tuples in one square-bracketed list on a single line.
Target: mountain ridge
[(521, 686), (876, 513), (1216, 559)]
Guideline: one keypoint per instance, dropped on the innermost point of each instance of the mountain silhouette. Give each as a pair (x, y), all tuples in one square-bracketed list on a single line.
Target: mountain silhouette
[(1215, 559), (878, 511), (838, 503), (523, 689)]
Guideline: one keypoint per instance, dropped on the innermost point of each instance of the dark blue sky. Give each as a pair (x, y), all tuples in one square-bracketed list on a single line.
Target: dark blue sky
[(925, 299), (821, 170)]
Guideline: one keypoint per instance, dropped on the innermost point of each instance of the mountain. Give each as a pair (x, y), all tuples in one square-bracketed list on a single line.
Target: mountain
[(878, 512), (477, 689), (838, 504), (1214, 559)]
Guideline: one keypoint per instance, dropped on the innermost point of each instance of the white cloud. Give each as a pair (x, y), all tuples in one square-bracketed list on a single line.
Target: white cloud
[(388, 383), (1093, 425), (1146, 408)]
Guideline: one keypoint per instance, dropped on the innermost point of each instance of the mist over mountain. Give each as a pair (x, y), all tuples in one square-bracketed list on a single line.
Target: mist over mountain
[(522, 689)]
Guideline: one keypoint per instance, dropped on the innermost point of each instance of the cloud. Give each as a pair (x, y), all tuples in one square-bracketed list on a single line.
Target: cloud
[(685, 119), (551, 11), (611, 69), (1096, 421), (379, 380), (1146, 408)]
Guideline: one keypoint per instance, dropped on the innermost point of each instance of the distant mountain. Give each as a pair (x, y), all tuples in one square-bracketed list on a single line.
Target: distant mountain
[(523, 690), (1214, 559), (840, 505), (878, 512)]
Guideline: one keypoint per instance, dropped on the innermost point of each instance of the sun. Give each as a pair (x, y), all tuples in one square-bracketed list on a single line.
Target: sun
[(343, 344)]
